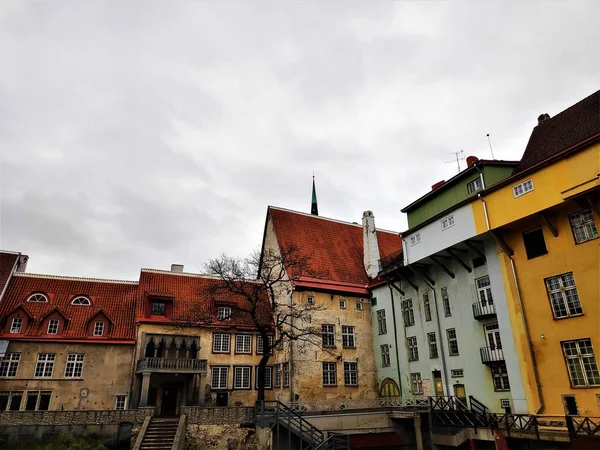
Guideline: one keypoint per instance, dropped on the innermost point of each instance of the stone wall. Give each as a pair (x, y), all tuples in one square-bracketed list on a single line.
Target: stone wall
[(219, 416), (12, 418), (228, 437)]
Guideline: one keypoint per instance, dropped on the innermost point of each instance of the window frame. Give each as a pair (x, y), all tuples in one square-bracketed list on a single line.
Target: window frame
[(563, 296), (457, 373), (16, 329), (38, 394), (446, 301), (96, 328), (342, 303), (385, 355), (500, 378), (75, 364), (243, 370), (579, 357), (350, 373), (328, 335), (278, 376), (268, 377), (486, 290), (44, 364), (9, 365), (120, 397), (413, 348), (240, 349), (534, 252), (37, 295), (359, 306), (285, 369), (260, 346), (221, 345), (348, 336), (474, 182), (381, 321), (415, 239), (447, 222), (450, 340), (591, 220), (416, 383), (523, 188), (432, 345), (53, 325), (82, 300), (9, 399), (329, 373), (224, 313), (310, 300), (163, 309), (427, 307), (408, 312), (213, 373)]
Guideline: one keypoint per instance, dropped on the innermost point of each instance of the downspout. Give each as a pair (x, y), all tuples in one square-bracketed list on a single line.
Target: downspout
[(395, 338), (480, 175), (521, 310), (292, 350)]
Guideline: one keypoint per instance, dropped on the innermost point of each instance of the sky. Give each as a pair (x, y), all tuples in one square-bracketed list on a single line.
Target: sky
[(140, 134)]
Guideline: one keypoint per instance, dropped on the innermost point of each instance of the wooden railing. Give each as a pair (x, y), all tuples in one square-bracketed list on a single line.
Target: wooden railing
[(172, 365)]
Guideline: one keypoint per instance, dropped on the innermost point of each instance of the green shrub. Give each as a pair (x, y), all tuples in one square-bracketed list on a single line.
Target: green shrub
[(62, 443)]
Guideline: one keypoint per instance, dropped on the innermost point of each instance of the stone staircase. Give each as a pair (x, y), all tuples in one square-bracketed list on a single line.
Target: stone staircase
[(160, 434)]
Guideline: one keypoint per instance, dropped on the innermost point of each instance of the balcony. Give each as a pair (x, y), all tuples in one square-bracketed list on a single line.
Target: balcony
[(391, 261), (483, 310), (490, 355), (172, 365)]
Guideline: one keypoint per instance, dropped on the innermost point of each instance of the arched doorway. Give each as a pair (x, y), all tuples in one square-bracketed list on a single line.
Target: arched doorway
[(389, 388)]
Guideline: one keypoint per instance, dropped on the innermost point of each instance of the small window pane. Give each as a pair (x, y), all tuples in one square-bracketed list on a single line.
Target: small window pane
[(535, 245)]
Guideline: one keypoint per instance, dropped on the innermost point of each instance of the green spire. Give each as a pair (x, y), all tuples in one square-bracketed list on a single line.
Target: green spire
[(314, 209)]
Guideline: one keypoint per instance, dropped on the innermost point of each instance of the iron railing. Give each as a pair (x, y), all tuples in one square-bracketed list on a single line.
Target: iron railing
[(491, 354), (395, 259), (172, 365), (413, 404), (481, 310)]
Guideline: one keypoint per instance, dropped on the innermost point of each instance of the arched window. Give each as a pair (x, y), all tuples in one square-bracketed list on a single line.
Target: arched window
[(389, 388), (38, 298), (81, 300)]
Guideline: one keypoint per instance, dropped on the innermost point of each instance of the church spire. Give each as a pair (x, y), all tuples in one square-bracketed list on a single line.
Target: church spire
[(314, 209)]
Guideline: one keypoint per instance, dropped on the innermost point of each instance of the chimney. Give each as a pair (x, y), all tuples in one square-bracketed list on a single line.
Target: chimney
[(370, 246), (543, 117), (177, 268), (472, 160), (437, 185), (22, 264)]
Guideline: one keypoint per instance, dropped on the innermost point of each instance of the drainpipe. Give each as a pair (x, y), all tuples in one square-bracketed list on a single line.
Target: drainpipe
[(480, 175), (396, 339), (521, 310), (292, 350)]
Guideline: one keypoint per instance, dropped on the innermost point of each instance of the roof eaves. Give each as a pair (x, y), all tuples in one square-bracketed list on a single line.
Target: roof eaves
[(60, 277)]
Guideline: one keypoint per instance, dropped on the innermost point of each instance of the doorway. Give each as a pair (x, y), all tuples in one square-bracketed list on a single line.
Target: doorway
[(222, 398), (460, 393), (169, 400), (570, 405), (437, 383), (492, 336)]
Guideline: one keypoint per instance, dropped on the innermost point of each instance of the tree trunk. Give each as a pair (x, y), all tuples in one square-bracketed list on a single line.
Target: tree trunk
[(261, 367)]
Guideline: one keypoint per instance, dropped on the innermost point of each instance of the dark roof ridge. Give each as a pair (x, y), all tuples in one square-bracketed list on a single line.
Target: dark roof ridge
[(189, 274)]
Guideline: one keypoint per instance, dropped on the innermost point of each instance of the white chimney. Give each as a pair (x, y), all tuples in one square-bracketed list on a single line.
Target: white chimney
[(22, 264), (178, 268), (370, 246)]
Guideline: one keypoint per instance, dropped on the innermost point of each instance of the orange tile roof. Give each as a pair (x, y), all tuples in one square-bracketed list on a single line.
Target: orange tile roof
[(115, 298), (336, 247)]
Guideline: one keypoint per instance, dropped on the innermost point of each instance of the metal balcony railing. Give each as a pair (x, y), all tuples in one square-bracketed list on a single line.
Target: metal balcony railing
[(491, 354), (395, 259), (172, 365), (482, 310)]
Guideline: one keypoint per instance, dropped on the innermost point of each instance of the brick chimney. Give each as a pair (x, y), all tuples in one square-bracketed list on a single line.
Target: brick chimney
[(370, 246)]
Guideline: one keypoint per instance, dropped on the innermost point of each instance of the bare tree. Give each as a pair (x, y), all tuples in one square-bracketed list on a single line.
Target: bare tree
[(263, 283)]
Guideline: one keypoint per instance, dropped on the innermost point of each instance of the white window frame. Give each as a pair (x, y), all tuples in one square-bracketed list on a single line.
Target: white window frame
[(120, 405), (278, 376), (579, 354), (446, 302), (38, 297), (16, 325), (563, 295), (484, 290), (99, 328), (9, 395), (447, 222), (328, 335), (38, 398), (427, 307), (342, 304), (329, 373), (522, 188), (381, 321), (224, 313), (385, 355), (221, 343), (260, 347), (350, 374), (408, 312), (268, 377), (413, 348), (415, 239), (81, 300), (457, 373), (500, 377), (216, 374), (44, 365), (243, 344), (348, 337), (242, 377), (285, 367), (74, 366), (53, 325), (452, 340), (9, 365), (474, 185), (586, 223), (416, 383), (359, 306), (433, 347)]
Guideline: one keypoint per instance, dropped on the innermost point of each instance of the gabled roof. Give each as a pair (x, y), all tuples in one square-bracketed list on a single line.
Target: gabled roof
[(8, 265), (116, 298), (567, 129), (335, 247)]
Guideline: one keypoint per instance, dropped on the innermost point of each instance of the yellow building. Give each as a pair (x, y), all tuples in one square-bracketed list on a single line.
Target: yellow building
[(545, 219)]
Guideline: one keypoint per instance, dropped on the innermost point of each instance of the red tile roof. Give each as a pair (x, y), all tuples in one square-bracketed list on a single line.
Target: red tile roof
[(8, 262), (336, 247), (115, 298), (193, 301), (574, 125)]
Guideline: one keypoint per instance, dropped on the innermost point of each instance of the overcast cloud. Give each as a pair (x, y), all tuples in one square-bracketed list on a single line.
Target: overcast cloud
[(144, 134)]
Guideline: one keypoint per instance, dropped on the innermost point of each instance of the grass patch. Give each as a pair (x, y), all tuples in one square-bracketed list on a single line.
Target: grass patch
[(62, 443)]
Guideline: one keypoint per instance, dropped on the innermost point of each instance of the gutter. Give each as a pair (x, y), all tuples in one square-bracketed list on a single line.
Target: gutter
[(396, 339), (521, 310)]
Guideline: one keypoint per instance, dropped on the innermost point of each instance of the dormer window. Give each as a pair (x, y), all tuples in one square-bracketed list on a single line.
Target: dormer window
[(17, 324), (159, 308), (53, 326), (81, 300), (38, 298), (223, 313), (99, 328)]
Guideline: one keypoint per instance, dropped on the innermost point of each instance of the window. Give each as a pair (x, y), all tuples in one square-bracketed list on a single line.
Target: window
[(81, 300), (447, 222), (268, 375), (9, 364), (221, 343), (432, 341), (522, 188), (120, 402), (260, 345), (535, 245), (348, 336), (219, 375), (277, 375), (427, 307), (581, 362), (414, 240), (416, 383), (385, 355), (16, 325), (457, 373), (159, 309), (37, 400), (505, 403), (408, 313), (381, 323), (563, 296), (359, 306), (39, 298), (413, 349), (223, 313), (10, 401), (350, 374), (342, 304), (500, 377), (446, 302), (286, 374), (99, 328), (484, 290), (329, 374), (243, 343), (45, 365), (328, 335), (53, 326), (241, 377), (310, 300), (74, 367), (452, 342), (474, 186), (478, 262), (374, 301), (583, 226)]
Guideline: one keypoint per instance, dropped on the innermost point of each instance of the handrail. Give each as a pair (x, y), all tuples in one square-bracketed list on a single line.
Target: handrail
[(178, 364), (491, 354), (286, 415), (140, 436), (481, 310)]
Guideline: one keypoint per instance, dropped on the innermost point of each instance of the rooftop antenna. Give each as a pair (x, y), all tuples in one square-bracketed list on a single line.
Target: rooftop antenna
[(490, 142), (458, 156)]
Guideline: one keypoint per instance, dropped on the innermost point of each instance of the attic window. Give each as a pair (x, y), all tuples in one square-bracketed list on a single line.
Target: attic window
[(159, 309), (81, 300), (522, 188), (38, 298), (223, 313), (53, 326), (99, 328), (414, 240), (474, 186)]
